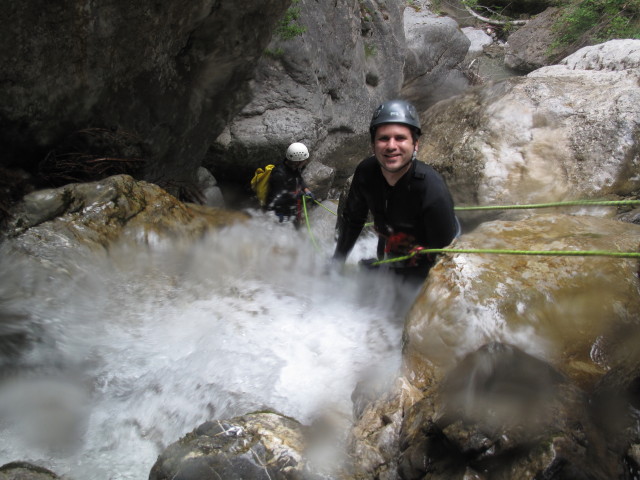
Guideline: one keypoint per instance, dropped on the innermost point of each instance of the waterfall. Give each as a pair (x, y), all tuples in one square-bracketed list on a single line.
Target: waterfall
[(108, 359)]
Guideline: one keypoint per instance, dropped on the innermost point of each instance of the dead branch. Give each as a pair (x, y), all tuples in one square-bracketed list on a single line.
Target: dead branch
[(495, 22)]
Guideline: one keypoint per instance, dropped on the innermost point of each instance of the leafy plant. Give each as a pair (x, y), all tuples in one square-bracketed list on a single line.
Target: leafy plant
[(594, 21), (288, 27)]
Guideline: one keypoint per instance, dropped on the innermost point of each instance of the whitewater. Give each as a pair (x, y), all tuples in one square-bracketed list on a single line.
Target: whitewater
[(110, 358)]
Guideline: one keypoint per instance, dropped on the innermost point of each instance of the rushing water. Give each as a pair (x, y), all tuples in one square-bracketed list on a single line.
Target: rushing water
[(107, 360)]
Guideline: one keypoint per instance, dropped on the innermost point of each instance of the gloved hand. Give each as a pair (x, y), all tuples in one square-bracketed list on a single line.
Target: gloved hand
[(310, 195)]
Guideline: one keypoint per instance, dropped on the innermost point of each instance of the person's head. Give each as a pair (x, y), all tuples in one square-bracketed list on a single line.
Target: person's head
[(395, 129), (396, 112), (297, 155)]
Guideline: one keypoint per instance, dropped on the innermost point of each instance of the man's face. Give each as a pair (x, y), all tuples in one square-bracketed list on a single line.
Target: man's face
[(393, 146)]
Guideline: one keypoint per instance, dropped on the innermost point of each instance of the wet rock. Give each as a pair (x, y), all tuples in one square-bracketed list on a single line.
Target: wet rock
[(504, 414), (615, 398), (350, 58), (373, 443), (436, 48), (516, 366), (254, 446), (479, 39), (564, 132), (530, 47), (565, 309), (96, 214), (211, 193), (25, 471)]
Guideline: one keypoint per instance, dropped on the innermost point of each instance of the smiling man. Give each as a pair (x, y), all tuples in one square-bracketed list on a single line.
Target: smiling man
[(410, 203)]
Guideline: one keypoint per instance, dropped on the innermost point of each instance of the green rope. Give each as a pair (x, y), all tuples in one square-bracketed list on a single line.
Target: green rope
[(306, 217), (607, 203), (571, 253), (571, 203), (322, 205)]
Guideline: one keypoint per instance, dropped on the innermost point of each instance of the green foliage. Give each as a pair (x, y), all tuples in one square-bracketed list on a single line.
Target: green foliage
[(366, 13), (275, 53), (472, 4), (288, 27), (369, 50), (595, 21)]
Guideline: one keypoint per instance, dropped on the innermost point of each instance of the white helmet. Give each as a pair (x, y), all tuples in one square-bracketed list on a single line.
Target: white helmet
[(297, 152)]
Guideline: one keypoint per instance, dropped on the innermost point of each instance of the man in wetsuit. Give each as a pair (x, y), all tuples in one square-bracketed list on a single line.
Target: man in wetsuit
[(286, 184), (410, 203)]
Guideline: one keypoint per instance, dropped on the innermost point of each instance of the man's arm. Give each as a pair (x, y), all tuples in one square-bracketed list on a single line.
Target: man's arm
[(352, 222), (441, 223)]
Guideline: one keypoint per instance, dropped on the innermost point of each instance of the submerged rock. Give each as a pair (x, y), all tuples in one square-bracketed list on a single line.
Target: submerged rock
[(257, 446), (25, 471)]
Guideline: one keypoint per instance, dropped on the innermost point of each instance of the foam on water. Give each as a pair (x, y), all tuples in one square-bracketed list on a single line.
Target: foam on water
[(135, 350)]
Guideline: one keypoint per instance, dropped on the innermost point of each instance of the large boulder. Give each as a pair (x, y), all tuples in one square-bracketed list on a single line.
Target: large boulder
[(504, 414), (532, 45), (558, 307), (89, 218), (164, 77), (564, 132), (436, 49), (515, 366), (318, 88)]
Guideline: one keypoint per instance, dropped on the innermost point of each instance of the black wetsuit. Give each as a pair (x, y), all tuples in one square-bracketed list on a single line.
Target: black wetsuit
[(416, 212), (285, 185)]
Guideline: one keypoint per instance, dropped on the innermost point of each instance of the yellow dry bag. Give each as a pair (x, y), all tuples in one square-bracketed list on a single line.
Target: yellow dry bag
[(260, 183)]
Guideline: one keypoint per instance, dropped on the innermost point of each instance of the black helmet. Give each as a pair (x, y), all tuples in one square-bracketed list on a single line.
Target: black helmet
[(395, 111)]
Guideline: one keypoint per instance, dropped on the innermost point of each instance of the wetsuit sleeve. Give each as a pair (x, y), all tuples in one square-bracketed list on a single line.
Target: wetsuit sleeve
[(440, 222), (352, 221)]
